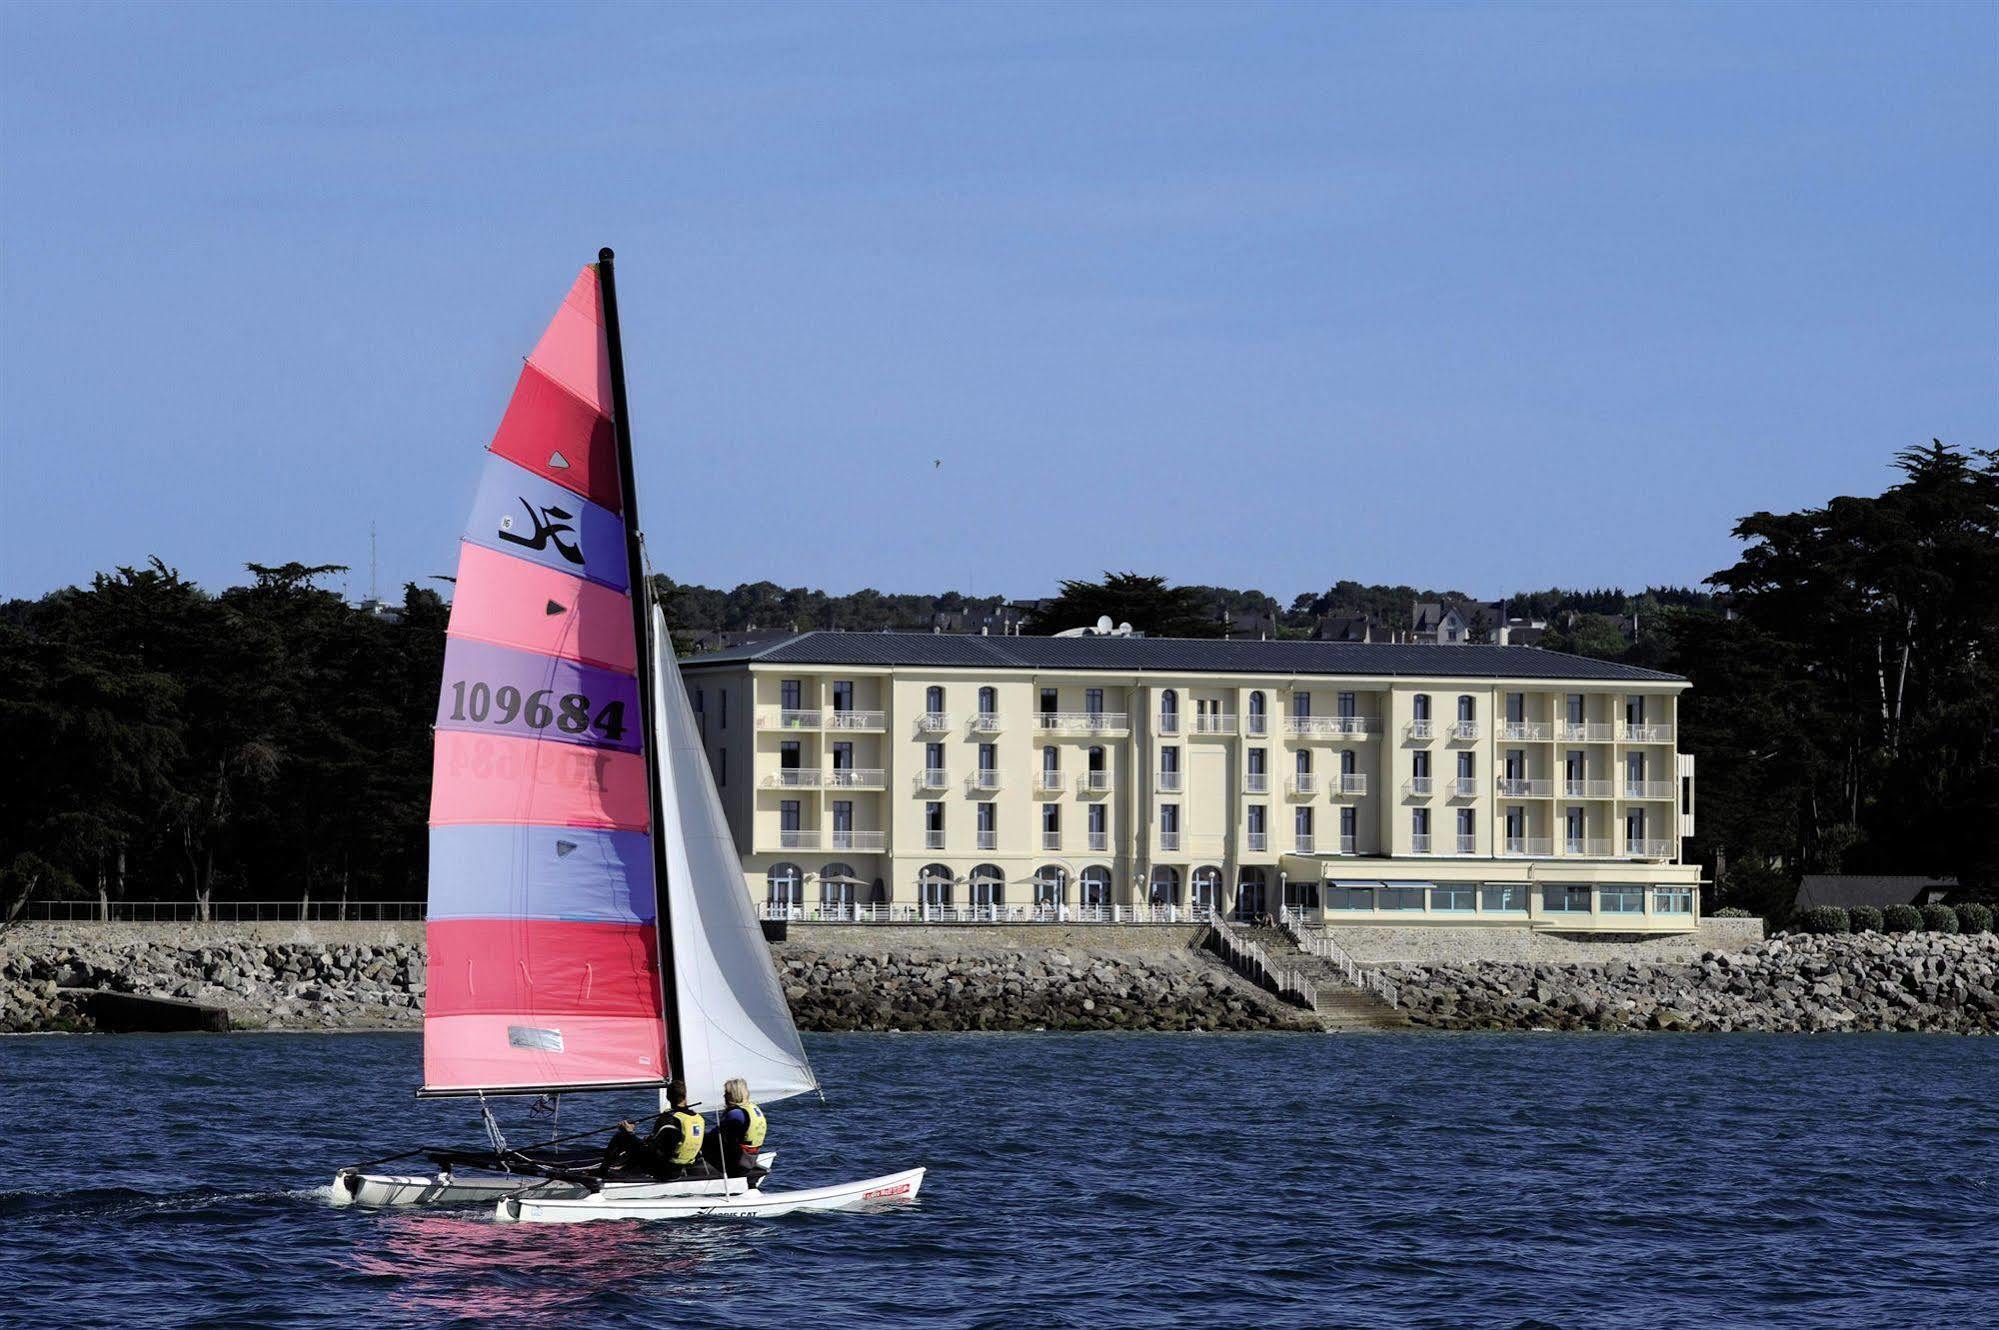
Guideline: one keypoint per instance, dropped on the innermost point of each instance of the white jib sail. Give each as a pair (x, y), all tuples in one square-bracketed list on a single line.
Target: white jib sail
[(733, 1016)]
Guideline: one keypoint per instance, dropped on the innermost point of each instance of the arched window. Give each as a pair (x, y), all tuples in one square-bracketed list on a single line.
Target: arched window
[(1165, 889), (1051, 759), (987, 885), (1467, 709), (1169, 712), (1252, 894), (1051, 886), (1207, 888), (1347, 762), (1096, 756), (1256, 704), (785, 885), (1095, 885), (1419, 706), (988, 701), (837, 886), (933, 885), (1304, 761), (933, 699)]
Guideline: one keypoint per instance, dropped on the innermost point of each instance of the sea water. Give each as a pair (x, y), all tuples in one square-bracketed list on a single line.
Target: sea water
[(1075, 1180)]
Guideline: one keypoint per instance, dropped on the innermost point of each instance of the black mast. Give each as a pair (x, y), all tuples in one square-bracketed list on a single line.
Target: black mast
[(607, 285)]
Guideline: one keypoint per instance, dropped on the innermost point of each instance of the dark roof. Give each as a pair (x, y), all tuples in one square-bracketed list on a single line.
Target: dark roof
[(1175, 655), (1847, 890)]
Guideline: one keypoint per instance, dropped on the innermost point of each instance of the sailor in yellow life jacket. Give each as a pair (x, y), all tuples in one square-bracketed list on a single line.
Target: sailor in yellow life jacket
[(739, 1135), (671, 1150)]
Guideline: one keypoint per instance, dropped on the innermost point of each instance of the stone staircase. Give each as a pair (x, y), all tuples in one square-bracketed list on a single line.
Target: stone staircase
[(1339, 1004)]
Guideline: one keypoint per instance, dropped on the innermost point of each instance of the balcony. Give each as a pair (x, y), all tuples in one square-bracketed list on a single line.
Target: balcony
[(1256, 725), (1586, 789), (986, 722), (981, 781), (1419, 842), (1093, 782), (1304, 784), (1346, 845), (1467, 844), (1586, 847), (933, 838), (1258, 841), (1516, 787), (1417, 787), (1421, 731), (1586, 732), (1051, 840), (792, 778), (1464, 787), (1169, 722), (1167, 782), (1351, 782), (933, 778), (1081, 722), (856, 778), (1526, 847), (1254, 782), (1169, 841), (849, 719), (1528, 730), (794, 839), (1648, 849), (1328, 727), (933, 722), (1648, 789), (1648, 734), (989, 840), (1213, 724), (1302, 842), (1100, 841), (1048, 782), (871, 841), (779, 719), (1464, 730)]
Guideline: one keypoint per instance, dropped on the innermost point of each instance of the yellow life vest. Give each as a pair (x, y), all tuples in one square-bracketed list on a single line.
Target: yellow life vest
[(691, 1127), (753, 1135)]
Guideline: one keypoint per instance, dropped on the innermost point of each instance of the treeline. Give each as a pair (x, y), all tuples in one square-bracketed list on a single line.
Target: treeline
[(271, 741)]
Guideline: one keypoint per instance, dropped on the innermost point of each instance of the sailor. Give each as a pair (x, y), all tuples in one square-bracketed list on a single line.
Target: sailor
[(739, 1134), (671, 1150)]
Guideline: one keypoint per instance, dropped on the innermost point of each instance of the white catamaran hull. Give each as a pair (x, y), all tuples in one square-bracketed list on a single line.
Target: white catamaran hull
[(889, 1189), (383, 1190)]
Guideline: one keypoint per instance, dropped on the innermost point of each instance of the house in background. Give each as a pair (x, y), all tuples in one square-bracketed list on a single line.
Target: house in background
[(1847, 890), (1455, 622)]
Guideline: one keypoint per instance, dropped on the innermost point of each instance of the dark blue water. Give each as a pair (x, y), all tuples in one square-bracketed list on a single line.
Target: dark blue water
[(1441, 1180)]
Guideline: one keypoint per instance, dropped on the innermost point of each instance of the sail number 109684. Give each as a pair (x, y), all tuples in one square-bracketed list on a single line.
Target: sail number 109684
[(570, 713)]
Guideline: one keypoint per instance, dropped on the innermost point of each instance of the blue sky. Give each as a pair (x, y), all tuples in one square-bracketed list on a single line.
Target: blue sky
[(1485, 296)]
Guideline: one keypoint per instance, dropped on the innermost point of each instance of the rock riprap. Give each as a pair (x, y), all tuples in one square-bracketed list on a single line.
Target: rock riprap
[(269, 985), (1795, 984)]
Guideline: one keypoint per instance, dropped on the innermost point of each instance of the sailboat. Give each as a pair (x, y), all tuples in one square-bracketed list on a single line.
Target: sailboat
[(588, 926)]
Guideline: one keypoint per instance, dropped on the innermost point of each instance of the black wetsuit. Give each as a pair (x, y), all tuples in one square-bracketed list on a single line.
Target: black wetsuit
[(652, 1155)]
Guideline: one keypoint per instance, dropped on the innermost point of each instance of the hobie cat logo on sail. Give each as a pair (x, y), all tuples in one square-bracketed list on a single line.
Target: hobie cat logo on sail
[(546, 531)]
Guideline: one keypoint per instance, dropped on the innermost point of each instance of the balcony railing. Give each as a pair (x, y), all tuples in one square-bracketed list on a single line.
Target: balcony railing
[(798, 840), (1304, 783), (933, 838), (1214, 724), (1169, 722), (1648, 734), (1586, 789), (1648, 849), (1516, 847), (1302, 842), (1259, 841), (1420, 729), (1419, 842), (1586, 732), (933, 722), (1464, 729), (933, 778), (872, 841), (1254, 782), (1255, 725), (989, 840), (850, 719), (1100, 841), (782, 719), (857, 778), (1051, 840), (982, 780), (1648, 789), (1081, 722), (792, 778), (1467, 844), (830, 912), (1168, 782), (1093, 782), (986, 722), (1169, 841), (1048, 782), (1352, 782), (1346, 845), (1516, 787), (1328, 725), (1587, 847), (1523, 729), (1464, 787)]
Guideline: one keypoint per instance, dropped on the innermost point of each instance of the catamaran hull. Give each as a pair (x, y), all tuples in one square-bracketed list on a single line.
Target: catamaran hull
[(889, 1189), (440, 1190)]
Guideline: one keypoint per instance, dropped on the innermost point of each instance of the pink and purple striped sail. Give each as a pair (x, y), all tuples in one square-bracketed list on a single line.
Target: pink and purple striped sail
[(544, 952)]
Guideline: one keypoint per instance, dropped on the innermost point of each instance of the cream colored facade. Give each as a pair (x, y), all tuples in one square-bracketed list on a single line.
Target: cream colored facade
[(1536, 802)]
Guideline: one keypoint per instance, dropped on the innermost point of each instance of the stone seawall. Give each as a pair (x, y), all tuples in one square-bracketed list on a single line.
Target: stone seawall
[(1454, 944), (1914, 981)]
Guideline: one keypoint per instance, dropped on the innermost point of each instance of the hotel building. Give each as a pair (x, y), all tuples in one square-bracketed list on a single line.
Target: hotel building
[(890, 775)]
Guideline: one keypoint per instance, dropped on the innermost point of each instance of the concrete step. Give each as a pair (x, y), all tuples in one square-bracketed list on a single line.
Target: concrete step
[(1341, 1005)]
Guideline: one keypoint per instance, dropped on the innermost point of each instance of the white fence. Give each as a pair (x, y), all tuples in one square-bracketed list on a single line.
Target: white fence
[(228, 912), (1248, 959), (774, 911)]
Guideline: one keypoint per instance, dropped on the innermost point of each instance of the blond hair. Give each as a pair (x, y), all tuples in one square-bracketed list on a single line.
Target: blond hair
[(736, 1090)]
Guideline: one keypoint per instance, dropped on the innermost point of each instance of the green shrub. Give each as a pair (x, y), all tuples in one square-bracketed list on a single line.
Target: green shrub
[(1729, 912), (1901, 919), (1820, 919), (1939, 919), (1864, 919), (1974, 918)]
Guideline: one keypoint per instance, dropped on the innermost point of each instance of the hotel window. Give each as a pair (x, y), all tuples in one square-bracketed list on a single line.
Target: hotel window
[(1349, 706), (1051, 819), (1349, 898), (933, 816), (988, 757), (933, 757), (1257, 759), (1256, 819), (1467, 708), (1502, 896), (1620, 900), (988, 701), (1349, 820), (1634, 826), (1452, 898), (1419, 822), (1402, 898), (787, 815), (1574, 765), (933, 699), (1169, 712), (1301, 704), (1516, 764), (843, 816), (1256, 712), (1516, 707), (1050, 704), (791, 694), (1467, 826), (1673, 900), (1348, 762), (1466, 767), (1419, 706), (1303, 762), (1634, 709), (1575, 708), (1169, 818), (988, 820), (1301, 824), (1093, 701), (843, 756), (1100, 827), (1094, 763), (1051, 765), (1516, 823), (843, 695), (1565, 900), (1420, 764), (1573, 830), (1169, 765), (787, 755)]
